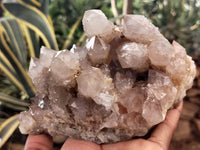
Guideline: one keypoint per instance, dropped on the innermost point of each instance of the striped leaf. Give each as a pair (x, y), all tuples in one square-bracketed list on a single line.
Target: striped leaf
[(34, 19), (81, 39), (71, 34), (31, 36), (32, 41), (40, 4), (8, 50), (7, 128), (14, 103), (13, 107), (30, 25), (8, 69), (15, 38)]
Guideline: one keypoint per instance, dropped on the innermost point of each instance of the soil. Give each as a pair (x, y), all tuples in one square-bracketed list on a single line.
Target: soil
[(186, 136)]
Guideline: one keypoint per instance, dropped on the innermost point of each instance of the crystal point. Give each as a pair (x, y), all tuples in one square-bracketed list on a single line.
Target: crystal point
[(95, 23)]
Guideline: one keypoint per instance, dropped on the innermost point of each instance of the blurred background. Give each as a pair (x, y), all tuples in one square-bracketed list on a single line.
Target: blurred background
[(25, 25)]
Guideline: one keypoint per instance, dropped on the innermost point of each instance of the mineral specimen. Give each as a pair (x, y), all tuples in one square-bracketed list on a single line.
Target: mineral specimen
[(118, 86)]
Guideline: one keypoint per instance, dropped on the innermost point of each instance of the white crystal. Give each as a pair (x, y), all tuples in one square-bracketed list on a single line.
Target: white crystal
[(122, 82), (177, 68), (106, 99), (62, 68), (160, 97), (191, 72), (160, 52), (133, 99), (138, 28), (179, 50), (82, 52), (133, 55), (46, 56), (159, 78), (95, 23), (34, 68), (178, 65), (39, 75), (98, 50), (95, 86), (27, 122)]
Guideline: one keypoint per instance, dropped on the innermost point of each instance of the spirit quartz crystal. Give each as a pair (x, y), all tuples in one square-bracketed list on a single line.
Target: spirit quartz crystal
[(120, 85)]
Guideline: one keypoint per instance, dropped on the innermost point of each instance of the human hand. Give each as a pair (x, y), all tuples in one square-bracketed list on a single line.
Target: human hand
[(159, 139)]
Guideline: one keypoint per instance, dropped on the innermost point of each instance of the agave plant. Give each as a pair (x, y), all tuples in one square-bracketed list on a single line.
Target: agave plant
[(21, 35)]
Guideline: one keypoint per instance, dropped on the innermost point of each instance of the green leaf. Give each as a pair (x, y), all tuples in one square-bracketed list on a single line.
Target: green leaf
[(35, 43), (40, 4), (8, 69), (32, 41), (44, 7), (2, 119), (16, 39), (81, 39), (72, 31), (7, 128), (12, 100), (34, 19), (7, 49), (13, 107)]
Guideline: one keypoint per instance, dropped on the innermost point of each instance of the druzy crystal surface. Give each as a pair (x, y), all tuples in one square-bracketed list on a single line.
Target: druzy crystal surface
[(118, 86)]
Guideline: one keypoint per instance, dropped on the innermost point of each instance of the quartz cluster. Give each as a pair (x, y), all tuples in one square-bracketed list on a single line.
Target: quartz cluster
[(118, 86)]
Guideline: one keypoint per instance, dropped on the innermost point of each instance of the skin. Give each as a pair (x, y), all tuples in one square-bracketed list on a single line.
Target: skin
[(159, 139)]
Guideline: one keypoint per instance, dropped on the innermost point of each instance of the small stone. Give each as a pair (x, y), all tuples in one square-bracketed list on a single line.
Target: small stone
[(59, 139)]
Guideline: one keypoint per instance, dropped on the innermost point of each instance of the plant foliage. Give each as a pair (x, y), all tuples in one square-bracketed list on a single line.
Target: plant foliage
[(20, 38)]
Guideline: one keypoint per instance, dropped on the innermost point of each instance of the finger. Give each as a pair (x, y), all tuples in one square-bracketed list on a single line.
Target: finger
[(128, 145), (163, 132), (73, 144), (137, 144), (41, 142)]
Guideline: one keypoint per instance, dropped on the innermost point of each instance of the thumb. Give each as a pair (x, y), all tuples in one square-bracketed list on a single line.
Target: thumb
[(41, 142)]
